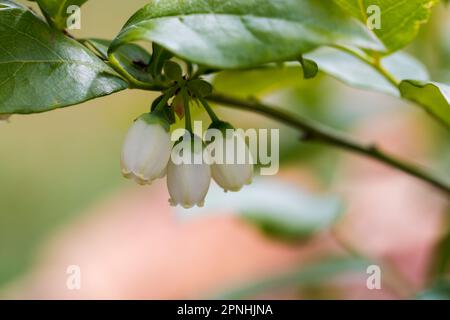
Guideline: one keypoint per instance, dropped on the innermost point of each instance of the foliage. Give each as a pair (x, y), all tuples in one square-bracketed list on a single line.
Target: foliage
[(195, 31)]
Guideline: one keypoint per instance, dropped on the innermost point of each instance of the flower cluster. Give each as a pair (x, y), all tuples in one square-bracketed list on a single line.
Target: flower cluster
[(149, 154), (189, 163)]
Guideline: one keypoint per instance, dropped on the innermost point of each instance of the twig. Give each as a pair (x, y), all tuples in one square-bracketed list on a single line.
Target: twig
[(316, 132)]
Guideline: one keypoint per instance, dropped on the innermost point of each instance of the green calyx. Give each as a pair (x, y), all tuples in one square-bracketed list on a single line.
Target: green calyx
[(156, 117), (199, 88), (161, 107), (183, 91), (173, 71)]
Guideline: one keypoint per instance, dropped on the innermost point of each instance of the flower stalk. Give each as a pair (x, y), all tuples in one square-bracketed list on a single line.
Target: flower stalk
[(187, 109), (209, 110)]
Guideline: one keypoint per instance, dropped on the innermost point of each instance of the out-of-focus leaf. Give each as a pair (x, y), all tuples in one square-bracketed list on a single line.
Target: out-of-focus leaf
[(357, 73), (257, 82), (434, 97), (287, 212), (56, 11), (313, 274), (132, 57), (400, 20), (440, 291), (239, 34), (297, 216), (41, 69)]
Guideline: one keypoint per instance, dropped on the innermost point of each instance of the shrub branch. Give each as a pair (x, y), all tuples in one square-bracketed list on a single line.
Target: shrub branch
[(316, 132)]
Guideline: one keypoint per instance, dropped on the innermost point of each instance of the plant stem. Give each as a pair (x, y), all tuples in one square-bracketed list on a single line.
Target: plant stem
[(167, 95), (209, 110), (374, 62), (316, 132), (363, 10), (134, 83), (187, 109)]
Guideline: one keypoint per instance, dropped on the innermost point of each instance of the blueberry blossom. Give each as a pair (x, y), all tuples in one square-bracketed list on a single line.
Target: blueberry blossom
[(231, 159), (188, 175)]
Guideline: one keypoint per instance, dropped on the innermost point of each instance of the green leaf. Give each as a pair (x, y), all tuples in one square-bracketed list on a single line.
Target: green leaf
[(310, 68), (287, 212), (400, 20), (313, 274), (237, 34), (257, 82), (434, 97), (303, 216), (357, 73), (57, 72), (56, 11), (132, 57)]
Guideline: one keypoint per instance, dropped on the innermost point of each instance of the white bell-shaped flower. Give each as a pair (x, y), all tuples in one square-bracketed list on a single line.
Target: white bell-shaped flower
[(188, 174), (147, 148), (232, 161), (4, 118)]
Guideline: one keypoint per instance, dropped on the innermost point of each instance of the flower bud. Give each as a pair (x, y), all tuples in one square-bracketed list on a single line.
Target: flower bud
[(188, 181), (234, 168), (178, 105), (146, 150)]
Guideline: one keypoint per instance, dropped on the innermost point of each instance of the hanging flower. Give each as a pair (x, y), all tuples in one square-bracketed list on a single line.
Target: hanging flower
[(146, 150), (4, 117), (232, 164), (188, 174)]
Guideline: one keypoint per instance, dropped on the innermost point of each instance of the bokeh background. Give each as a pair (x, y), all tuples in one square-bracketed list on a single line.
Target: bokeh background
[(64, 202)]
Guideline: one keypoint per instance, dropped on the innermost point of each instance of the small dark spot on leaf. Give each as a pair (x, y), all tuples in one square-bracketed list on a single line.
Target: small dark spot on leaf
[(141, 64)]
